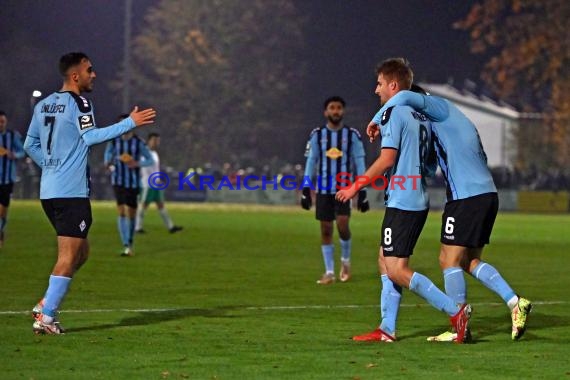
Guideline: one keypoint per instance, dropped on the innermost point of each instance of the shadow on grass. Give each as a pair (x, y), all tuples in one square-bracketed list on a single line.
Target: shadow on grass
[(154, 317)]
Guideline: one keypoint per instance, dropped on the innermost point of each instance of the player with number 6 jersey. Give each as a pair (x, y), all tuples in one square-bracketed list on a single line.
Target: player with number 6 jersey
[(405, 151), (471, 208)]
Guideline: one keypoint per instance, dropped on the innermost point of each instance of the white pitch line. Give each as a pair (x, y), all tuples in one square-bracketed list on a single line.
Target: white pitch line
[(312, 307), (262, 308)]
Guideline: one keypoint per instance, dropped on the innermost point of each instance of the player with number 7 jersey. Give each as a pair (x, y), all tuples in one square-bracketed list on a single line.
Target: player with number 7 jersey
[(62, 123), (60, 134)]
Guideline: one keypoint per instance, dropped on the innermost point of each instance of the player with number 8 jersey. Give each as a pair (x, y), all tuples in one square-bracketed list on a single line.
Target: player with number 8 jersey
[(405, 151), (471, 208)]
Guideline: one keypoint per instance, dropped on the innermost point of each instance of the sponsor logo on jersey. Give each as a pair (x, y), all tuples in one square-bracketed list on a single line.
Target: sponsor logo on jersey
[(86, 121), (125, 157), (334, 153)]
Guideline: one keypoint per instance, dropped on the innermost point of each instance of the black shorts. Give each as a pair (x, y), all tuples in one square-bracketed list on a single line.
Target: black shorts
[(5, 194), (328, 208), (69, 216), (469, 222), (401, 230), (126, 196)]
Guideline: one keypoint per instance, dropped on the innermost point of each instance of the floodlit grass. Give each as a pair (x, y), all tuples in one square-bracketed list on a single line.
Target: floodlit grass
[(233, 296)]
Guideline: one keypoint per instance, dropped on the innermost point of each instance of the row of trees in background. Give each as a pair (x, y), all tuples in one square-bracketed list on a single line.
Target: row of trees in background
[(528, 44), (223, 74)]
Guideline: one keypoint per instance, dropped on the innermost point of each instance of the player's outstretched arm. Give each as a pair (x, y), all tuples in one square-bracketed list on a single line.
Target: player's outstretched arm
[(143, 117), (94, 136), (434, 107), (382, 164)]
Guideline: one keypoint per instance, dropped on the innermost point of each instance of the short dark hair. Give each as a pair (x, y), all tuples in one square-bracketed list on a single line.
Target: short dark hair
[(397, 69), (334, 99), (2, 113), (151, 135), (69, 60)]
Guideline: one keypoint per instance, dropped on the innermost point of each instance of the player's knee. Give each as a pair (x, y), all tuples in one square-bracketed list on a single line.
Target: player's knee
[(395, 275), (451, 259), (442, 261), (344, 234), (326, 232), (64, 267)]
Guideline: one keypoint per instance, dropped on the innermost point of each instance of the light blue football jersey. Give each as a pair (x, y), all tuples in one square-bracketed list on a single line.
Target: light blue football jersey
[(460, 152), (409, 132), (58, 140)]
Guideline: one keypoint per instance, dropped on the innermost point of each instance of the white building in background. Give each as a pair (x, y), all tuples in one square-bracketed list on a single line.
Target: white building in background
[(493, 121)]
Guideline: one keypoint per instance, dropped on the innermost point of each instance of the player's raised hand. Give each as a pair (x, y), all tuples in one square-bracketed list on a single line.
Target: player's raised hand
[(372, 131), (143, 117)]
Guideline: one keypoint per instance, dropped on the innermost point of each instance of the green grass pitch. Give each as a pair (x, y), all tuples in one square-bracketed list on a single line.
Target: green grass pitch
[(233, 296)]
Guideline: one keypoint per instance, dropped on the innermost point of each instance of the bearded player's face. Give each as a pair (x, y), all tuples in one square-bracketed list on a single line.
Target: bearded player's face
[(334, 112)]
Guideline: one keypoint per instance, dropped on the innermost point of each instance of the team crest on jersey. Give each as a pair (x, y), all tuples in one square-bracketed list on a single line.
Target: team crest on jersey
[(86, 121), (334, 153)]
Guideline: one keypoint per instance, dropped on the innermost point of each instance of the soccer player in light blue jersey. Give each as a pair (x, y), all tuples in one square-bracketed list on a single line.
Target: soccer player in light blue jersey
[(332, 149), (11, 149), (125, 155), (471, 208), (405, 153), (58, 140)]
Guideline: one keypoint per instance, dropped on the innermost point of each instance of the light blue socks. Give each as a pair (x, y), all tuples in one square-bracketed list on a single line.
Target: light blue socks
[(390, 298)]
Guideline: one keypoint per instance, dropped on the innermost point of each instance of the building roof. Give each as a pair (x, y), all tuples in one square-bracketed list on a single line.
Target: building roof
[(468, 99)]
